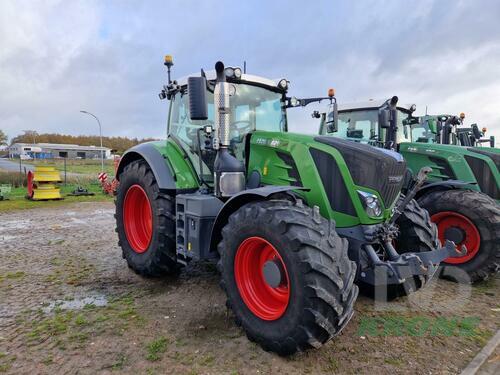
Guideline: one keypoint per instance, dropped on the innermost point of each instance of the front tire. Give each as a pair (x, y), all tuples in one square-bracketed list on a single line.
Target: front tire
[(145, 222), (313, 294), (472, 219), (417, 233)]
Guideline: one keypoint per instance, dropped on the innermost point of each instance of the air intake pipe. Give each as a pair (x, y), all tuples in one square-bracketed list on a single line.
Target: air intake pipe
[(229, 172)]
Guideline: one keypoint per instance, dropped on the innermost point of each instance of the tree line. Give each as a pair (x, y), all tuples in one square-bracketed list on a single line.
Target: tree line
[(119, 144)]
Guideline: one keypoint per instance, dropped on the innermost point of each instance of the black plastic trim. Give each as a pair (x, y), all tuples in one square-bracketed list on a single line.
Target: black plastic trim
[(484, 176), (493, 156), (333, 182), (293, 172), (447, 171)]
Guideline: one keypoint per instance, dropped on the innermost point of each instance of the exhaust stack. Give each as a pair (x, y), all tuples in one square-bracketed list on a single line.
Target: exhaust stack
[(229, 172)]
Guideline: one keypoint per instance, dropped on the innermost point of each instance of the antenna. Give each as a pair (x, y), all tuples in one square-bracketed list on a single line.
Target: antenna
[(244, 67), (426, 110)]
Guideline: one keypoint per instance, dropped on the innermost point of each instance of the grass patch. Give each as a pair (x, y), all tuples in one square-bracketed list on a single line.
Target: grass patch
[(12, 276), (84, 166), (207, 360), (394, 362), (17, 200), (156, 348), (120, 362), (71, 329), (72, 271)]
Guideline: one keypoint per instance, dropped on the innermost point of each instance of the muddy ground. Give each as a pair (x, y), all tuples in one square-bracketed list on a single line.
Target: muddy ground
[(69, 304)]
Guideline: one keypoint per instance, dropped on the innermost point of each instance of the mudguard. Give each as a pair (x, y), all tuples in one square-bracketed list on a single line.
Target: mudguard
[(443, 185), (239, 200), (156, 161)]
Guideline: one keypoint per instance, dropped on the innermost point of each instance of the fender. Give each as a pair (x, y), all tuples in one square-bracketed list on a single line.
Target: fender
[(156, 161), (240, 199), (443, 185)]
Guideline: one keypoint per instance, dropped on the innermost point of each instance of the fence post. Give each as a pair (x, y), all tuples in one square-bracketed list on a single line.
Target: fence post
[(64, 171)]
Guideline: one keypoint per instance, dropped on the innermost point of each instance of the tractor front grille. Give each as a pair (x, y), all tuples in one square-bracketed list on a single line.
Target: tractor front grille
[(377, 169)]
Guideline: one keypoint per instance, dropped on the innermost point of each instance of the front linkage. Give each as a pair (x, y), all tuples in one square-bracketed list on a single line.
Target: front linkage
[(388, 267)]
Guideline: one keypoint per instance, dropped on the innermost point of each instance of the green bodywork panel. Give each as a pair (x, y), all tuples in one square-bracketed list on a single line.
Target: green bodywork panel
[(437, 156), (182, 170), (263, 158)]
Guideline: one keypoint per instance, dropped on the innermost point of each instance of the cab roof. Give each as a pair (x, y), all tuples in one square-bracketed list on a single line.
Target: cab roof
[(370, 104), (211, 76)]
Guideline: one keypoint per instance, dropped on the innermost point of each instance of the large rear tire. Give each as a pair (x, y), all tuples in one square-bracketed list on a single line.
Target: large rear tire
[(472, 219), (312, 296), (145, 222)]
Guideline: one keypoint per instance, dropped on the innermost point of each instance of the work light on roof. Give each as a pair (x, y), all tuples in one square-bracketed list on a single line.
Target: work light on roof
[(283, 84)]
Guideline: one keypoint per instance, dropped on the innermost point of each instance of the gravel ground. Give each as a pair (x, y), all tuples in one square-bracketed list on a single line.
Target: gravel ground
[(69, 304)]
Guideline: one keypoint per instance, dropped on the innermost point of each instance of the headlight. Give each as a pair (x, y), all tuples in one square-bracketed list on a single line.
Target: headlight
[(371, 203)]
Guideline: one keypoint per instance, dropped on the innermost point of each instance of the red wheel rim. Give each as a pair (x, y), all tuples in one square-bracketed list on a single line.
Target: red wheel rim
[(472, 239), (137, 219), (264, 301), (30, 184)]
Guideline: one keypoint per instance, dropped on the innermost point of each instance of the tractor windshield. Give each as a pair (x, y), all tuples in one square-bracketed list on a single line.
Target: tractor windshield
[(252, 108), (362, 126), (422, 133)]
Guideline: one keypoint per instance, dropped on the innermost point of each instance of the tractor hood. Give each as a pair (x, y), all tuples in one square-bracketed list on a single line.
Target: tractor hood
[(379, 169), (475, 165)]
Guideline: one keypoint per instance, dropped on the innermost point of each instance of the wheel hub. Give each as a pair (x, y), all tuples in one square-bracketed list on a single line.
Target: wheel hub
[(459, 229), (454, 234), (273, 273)]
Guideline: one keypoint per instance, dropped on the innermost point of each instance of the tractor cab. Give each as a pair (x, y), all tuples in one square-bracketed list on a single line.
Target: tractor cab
[(256, 103), (359, 122)]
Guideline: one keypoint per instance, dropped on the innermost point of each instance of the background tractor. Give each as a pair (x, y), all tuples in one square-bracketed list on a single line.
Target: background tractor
[(292, 219), (449, 130), (462, 190)]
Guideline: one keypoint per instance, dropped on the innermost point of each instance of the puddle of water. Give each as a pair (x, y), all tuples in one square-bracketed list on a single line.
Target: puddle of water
[(98, 300), (14, 224), (6, 237)]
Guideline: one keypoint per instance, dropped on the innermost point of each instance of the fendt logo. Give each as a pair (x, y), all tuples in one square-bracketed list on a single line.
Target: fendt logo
[(395, 179)]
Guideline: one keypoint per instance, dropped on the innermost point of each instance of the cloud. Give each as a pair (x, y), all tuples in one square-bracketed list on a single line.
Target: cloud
[(59, 57)]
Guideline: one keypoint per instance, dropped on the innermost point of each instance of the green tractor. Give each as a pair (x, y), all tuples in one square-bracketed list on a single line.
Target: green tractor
[(292, 219), (448, 129), (462, 191)]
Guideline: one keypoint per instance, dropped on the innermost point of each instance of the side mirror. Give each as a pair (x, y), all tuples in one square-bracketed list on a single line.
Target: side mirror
[(475, 131), (384, 116), (198, 107), (332, 118), (492, 141)]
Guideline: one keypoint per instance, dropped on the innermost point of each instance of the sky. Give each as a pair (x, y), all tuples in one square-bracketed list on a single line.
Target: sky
[(106, 57)]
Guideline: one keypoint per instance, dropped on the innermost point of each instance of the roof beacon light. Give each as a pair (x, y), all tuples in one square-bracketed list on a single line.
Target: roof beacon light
[(462, 115), (331, 92), (169, 61), (485, 129)]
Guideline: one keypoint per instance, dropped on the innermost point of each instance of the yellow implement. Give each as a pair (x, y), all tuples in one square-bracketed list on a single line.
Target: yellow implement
[(42, 184)]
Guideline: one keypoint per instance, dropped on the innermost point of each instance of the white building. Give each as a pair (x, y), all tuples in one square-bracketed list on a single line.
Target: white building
[(54, 150)]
